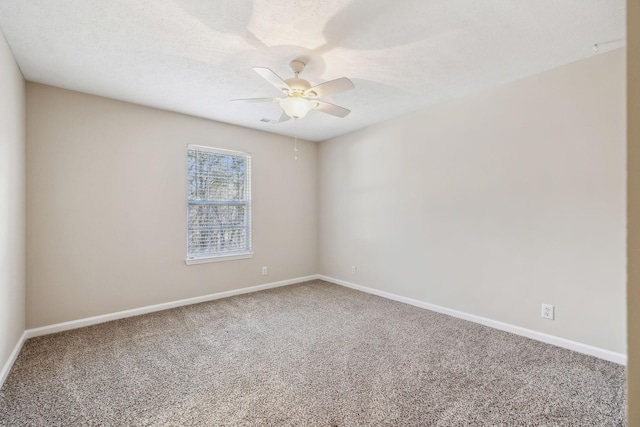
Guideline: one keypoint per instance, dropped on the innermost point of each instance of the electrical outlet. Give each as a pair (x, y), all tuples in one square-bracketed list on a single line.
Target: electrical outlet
[(354, 270), (547, 311), (264, 271)]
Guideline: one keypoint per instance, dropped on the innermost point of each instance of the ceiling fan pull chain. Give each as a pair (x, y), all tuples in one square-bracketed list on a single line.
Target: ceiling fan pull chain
[(295, 138)]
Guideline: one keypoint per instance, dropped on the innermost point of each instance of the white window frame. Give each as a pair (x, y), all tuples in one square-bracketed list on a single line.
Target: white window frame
[(228, 256)]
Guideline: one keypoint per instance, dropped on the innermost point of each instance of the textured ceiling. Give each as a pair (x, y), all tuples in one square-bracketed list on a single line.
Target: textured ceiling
[(193, 56)]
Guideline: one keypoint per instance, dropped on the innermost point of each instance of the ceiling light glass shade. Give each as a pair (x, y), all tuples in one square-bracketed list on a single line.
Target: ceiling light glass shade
[(296, 107)]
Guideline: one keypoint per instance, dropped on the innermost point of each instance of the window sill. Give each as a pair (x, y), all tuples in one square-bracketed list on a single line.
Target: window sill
[(191, 261)]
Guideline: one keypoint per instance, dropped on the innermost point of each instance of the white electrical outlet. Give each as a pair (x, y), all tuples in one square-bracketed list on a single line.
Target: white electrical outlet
[(264, 271), (547, 311), (354, 270)]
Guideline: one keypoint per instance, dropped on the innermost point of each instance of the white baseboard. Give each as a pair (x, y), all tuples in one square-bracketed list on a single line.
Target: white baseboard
[(4, 373), (539, 336), (80, 323)]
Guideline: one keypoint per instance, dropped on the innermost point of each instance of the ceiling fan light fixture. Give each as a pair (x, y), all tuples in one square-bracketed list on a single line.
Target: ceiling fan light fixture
[(296, 107)]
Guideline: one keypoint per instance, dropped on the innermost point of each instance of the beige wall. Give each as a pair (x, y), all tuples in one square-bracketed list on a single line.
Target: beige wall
[(106, 207), (633, 218), (492, 204), (12, 204)]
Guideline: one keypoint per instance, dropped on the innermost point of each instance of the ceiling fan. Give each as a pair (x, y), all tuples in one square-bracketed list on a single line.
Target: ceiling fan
[(299, 96)]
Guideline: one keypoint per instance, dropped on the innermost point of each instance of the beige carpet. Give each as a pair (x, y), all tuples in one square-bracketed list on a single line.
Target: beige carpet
[(313, 354)]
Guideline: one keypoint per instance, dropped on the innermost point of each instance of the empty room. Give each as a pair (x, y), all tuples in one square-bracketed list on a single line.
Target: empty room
[(305, 213)]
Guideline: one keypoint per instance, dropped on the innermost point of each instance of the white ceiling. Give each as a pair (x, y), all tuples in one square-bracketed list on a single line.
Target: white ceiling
[(193, 56)]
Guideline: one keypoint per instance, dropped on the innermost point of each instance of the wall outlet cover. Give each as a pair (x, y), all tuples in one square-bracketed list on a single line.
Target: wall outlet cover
[(547, 311)]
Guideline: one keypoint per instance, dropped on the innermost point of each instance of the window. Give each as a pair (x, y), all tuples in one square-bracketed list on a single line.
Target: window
[(218, 204)]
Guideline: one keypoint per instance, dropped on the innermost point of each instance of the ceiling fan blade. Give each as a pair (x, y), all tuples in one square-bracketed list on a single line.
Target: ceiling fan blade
[(331, 87), (250, 100), (272, 78), (334, 110), (283, 118)]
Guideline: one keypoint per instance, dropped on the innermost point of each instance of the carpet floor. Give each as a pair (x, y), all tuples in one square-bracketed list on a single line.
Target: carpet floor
[(312, 354)]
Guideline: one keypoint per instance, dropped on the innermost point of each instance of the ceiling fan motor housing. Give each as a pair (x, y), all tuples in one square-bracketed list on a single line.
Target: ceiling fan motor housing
[(297, 84)]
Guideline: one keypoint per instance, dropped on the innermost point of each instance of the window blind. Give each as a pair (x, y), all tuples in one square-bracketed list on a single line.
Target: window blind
[(219, 202)]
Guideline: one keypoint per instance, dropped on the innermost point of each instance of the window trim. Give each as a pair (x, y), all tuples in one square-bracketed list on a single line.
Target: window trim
[(217, 258), (222, 257)]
